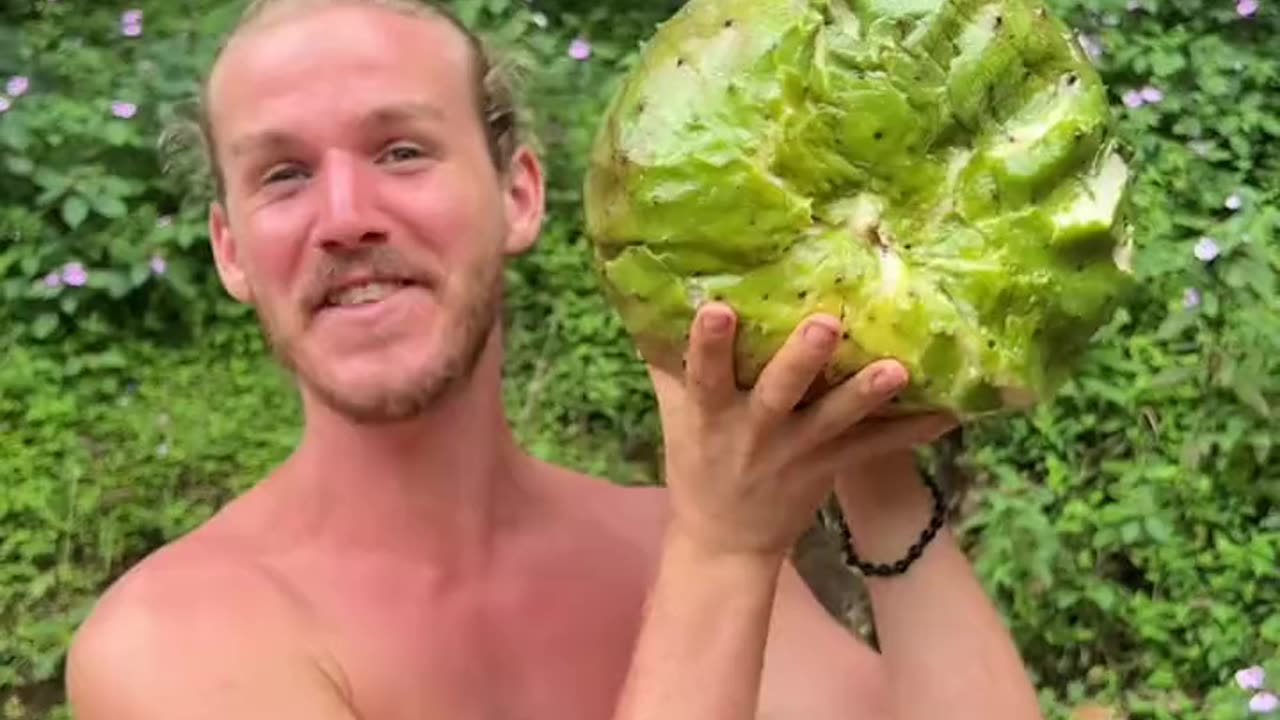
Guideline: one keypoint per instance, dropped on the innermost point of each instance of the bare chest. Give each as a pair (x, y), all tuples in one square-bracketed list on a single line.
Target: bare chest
[(551, 642)]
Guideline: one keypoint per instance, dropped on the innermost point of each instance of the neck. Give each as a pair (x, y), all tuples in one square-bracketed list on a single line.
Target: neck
[(437, 485)]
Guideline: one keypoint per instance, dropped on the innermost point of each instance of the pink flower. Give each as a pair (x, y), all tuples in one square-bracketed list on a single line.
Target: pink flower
[(1191, 298), (131, 23), (123, 109), (53, 280), (4, 104), (1264, 702), (1151, 94), (1133, 99), (580, 49), (1246, 8), (17, 86), (1251, 678), (158, 264), (74, 274)]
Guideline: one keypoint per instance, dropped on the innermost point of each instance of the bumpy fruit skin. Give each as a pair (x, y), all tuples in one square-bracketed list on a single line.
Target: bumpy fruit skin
[(942, 175)]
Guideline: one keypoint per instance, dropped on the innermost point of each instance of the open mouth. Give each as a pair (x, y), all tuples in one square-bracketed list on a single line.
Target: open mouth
[(363, 293)]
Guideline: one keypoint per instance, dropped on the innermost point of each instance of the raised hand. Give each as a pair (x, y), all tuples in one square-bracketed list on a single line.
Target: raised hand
[(747, 469)]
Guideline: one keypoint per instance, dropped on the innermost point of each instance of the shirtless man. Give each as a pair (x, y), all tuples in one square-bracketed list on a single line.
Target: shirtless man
[(408, 561)]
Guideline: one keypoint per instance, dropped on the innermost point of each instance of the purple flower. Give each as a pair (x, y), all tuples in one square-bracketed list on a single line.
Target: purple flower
[(1234, 202), (1191, 298), (53, 280), (131, 23), (123, 109), (1251, 678), (1246, 8), (158, 264), (4, 104), (74, 274), (579, 49), (17, 86), (1264, 702), (1133, 99), (1151, 94), (1207, 249)]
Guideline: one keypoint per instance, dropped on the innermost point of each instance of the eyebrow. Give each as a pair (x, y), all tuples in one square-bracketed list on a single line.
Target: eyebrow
[(383, 116)]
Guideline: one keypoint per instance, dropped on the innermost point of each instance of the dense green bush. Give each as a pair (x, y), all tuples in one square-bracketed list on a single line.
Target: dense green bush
[(1128, 529)]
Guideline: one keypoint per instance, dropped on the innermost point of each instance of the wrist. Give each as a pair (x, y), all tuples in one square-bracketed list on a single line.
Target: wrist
[(891, 519), (888, 529), (722, 560)]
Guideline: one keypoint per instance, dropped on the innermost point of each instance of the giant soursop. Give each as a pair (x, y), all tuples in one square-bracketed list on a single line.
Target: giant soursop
[(940, 174)]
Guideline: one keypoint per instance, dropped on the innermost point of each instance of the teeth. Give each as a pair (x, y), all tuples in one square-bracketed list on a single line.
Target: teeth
[(366, 293)]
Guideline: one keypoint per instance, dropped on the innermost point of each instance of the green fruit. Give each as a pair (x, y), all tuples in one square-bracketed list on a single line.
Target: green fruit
[(942, 175)]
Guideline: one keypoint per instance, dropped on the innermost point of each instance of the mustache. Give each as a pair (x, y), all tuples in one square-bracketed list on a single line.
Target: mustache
[(382, 262)]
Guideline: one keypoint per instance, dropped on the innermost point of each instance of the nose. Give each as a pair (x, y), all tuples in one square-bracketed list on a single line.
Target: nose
[(347, 216)]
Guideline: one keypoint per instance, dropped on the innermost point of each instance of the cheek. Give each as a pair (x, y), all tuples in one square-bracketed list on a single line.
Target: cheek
[(453, 211), (276, 252)]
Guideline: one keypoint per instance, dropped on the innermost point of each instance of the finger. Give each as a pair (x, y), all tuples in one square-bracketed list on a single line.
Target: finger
[(709, 372), (858, 398), (868, 441), (788, 375)]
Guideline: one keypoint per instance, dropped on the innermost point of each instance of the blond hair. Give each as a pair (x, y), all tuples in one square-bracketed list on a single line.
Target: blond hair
[(492, 81)]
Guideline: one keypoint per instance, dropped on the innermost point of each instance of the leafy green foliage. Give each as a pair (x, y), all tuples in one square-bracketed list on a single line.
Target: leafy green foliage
[(1128, 529)]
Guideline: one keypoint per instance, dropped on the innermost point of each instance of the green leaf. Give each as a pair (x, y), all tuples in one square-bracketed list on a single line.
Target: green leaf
[(109, 206), (1157, 529), (20, 165), (44, 325), (74, 211)]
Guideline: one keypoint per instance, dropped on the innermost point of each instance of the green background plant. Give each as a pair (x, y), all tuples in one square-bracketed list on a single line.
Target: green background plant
[(1128, 529)]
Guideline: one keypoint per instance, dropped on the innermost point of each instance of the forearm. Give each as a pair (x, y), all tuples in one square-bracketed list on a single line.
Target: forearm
[(700, 651), (942, 641)]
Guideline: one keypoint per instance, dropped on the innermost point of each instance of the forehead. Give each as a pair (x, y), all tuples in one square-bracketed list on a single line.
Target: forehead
[(344, 60)]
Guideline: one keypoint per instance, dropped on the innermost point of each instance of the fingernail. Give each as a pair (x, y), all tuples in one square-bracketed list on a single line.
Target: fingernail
[(819, 335), (886, 380), (715, 322)]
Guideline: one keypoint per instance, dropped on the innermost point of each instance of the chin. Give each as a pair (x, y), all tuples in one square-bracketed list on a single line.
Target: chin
[(373, 387), (390, 362), (399, 381)]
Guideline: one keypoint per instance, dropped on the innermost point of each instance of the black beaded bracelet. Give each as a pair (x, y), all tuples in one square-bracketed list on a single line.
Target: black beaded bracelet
[(917, 549)]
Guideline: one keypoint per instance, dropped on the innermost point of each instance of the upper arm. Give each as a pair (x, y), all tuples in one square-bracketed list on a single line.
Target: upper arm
[(178, 655)]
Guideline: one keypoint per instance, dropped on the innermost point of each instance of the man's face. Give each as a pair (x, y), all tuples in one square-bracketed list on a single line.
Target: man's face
[(364, 218)]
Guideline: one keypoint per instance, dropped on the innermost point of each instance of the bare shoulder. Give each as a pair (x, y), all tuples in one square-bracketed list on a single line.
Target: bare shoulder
[(194, 631), (639, 511)]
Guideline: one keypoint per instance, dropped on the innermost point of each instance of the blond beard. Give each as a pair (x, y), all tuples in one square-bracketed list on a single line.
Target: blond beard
[(477, 316)]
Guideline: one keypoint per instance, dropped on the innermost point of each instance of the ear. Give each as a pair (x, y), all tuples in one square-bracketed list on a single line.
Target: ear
[(225, 256), (525, 201)]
